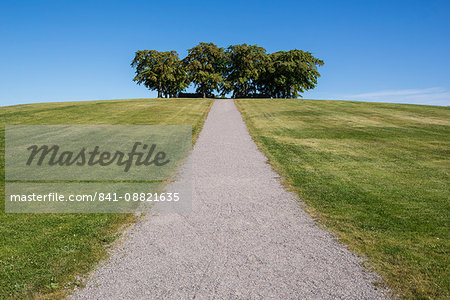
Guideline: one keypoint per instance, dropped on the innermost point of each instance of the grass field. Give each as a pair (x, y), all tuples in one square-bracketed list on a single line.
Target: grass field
[(40, 254), (376, 174)]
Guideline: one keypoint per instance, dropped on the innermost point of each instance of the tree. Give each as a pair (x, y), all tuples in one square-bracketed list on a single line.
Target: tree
[(241, 69), (204, 65), (161, 71), (245, 65), (289, 73), (179, 82)]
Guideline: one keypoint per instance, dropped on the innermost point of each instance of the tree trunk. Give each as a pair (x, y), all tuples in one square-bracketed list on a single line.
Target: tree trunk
[(203, 90), (159, 91)]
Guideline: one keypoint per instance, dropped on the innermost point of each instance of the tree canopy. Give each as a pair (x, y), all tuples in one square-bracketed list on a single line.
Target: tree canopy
[(245, 65), (204, 65), (243, 70), (161, 71), (289, 73)]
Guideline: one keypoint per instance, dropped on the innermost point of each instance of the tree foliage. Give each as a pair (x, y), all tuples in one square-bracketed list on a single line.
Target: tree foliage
[(289, 73), (245, 65), (204, 65), (245, 70), (161, 71)]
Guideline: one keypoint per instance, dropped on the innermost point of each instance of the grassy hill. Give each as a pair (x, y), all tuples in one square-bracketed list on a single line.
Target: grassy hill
[(40, 254), (376, 174)]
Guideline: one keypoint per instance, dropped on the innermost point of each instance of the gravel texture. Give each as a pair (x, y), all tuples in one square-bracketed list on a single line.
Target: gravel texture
[(246, 237)]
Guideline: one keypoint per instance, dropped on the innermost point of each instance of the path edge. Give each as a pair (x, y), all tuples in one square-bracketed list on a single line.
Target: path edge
[(318, 218), (80, 280)]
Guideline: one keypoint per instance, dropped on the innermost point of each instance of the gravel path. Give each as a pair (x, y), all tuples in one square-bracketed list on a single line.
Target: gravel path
[(246, 237)]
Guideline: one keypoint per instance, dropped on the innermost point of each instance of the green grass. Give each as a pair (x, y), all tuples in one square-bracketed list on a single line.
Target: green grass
[(40, 254), (376, 174)]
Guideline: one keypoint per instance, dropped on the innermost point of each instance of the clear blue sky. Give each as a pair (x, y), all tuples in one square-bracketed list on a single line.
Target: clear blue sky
[(389, 51)]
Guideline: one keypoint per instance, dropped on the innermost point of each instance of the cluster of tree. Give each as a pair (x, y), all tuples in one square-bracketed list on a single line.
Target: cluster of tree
[(243, 70)]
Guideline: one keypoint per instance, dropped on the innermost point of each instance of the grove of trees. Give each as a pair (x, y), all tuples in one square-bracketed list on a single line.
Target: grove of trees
[(243, 70)]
